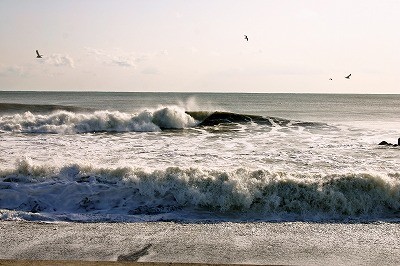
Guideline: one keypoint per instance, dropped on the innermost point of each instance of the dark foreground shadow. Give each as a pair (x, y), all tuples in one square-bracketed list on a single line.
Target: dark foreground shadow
[(135, 256)]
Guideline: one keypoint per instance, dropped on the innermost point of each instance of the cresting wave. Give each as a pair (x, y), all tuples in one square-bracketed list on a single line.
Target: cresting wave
[(61, 119), (99, 121), (85, 193)]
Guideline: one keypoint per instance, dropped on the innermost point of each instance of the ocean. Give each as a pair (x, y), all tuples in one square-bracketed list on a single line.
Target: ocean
[(198, 157)]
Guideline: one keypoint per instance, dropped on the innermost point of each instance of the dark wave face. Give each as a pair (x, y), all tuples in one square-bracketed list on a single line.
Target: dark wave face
[(217, 117)]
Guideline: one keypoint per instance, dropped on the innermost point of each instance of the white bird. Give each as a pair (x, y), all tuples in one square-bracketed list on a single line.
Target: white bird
[(38, 55), (245, 37), (348, 77)]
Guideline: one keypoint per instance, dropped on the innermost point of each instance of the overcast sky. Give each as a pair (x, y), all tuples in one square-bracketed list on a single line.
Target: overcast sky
[(171, 45)]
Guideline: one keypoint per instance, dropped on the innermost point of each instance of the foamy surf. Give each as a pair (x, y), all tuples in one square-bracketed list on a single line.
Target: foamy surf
[(87, 193), (62, 121)]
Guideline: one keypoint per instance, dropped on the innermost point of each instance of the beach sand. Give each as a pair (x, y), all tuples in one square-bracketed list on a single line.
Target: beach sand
[(98, 263), (163, 243)]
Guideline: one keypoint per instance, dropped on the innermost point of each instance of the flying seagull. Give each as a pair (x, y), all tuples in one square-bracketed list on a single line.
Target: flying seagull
[(330, 79), (38, 55), (348, 77), (245, 37)]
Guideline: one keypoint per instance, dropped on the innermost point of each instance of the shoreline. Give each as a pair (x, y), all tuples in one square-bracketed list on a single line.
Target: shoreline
[(168, 243), (102, 263)]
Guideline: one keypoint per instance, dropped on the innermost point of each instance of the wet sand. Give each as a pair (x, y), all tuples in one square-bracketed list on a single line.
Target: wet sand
[(98, 263), (164, 243)]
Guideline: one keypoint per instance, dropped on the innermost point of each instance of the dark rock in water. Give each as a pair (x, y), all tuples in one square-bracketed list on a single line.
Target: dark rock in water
[(390, 144), (227, 117)]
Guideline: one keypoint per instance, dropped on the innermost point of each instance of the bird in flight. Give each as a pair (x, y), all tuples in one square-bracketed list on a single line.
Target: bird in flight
[(348, 77), (246, 38), (38, 55), (330, 79)]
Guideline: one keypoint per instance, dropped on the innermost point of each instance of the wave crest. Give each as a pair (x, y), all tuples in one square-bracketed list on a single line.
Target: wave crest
[(70, 120), (100, 121)]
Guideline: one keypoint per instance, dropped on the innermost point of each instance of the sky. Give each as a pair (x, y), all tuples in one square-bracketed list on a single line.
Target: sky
[(199, 46)]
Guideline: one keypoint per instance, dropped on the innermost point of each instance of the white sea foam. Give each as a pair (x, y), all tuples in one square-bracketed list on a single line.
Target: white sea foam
[(171, 117), (124, 192)]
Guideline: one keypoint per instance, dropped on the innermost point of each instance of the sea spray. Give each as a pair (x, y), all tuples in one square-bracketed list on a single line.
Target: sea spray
[(173, 118)]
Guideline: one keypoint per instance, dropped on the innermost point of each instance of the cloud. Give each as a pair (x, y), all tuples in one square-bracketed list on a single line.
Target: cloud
[(6, 71), (95, 51), (58, 60), (113, 59), (122, 59)]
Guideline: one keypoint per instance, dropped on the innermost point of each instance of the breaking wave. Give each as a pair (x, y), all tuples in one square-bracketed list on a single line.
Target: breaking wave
[(99, 121), (70, 120), (87, 193)]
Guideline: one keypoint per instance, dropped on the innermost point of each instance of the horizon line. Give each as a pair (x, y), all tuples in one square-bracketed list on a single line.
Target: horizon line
[(198, 92)]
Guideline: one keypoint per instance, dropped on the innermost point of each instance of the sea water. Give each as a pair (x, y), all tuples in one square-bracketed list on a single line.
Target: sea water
[(128, 157)]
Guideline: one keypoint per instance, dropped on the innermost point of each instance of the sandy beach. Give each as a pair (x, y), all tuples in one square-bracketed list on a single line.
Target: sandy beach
[(287, 243), (98, 263)]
